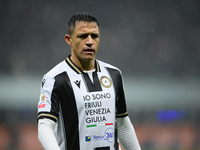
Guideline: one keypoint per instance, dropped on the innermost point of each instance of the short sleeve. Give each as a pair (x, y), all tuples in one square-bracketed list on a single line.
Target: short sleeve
[(116, 76), (121, 110), (48, 105)]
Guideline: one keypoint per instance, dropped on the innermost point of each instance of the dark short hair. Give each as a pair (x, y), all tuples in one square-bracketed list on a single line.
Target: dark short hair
[(82, 16)]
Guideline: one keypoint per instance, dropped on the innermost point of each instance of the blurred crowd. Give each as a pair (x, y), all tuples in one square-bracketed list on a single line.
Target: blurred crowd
[(158, 38)]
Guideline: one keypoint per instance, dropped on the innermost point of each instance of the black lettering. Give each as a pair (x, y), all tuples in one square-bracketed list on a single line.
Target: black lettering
[(108, 95), (95, 119), (104, 118), (93, 104), (101, 96), (97, 111), (98, 96), (89, 105), (87, 112), (87, 97), (108, 111), (88, 120)]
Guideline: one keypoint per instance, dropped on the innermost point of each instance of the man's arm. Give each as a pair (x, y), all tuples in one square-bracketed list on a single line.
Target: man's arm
[(127, 135), (46, 134)]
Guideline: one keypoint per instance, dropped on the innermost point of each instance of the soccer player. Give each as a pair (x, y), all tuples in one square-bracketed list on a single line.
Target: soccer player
[(82, 103)]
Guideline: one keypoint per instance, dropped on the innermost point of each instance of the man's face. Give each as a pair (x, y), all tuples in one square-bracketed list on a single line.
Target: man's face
[(84, 41)]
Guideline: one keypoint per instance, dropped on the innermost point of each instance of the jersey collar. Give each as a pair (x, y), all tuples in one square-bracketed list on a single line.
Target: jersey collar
[(79, 71)]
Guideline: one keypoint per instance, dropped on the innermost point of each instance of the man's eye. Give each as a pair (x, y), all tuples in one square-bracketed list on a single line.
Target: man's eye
[(94, 36), (83, 36)]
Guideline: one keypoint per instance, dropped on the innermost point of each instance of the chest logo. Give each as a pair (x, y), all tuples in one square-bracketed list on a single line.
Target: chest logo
[(78, 83), (105, 81), (43, 82)]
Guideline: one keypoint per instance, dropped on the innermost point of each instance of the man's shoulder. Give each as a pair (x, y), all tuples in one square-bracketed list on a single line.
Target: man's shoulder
[(107, 65), (56, 70)]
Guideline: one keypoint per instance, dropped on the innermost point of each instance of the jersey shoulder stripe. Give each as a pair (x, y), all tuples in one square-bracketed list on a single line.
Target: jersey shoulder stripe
[(101, 63), (58, 69)]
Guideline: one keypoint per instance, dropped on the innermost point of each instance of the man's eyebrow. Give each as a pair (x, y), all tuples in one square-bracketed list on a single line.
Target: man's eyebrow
[(94, 34), (86, 34), (82, 34)]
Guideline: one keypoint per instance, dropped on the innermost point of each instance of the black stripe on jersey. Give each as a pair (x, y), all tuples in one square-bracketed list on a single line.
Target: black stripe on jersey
[(95, 86), (69, 110), (49, 115), (120, 98), (102, 148), (116, 144)]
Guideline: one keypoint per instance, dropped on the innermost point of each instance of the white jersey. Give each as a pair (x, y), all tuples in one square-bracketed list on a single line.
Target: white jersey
[(84, 110)]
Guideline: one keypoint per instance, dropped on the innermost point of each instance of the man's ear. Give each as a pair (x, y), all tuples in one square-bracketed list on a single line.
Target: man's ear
[(68, 39)]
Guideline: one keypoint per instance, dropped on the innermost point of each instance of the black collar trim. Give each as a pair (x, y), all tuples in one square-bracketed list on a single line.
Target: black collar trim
[(76, 69)]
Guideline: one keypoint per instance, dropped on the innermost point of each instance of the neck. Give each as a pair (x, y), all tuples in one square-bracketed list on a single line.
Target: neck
[(84, 65)]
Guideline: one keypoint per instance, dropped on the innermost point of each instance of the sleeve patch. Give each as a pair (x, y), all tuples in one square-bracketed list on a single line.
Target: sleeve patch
[(42, 101)]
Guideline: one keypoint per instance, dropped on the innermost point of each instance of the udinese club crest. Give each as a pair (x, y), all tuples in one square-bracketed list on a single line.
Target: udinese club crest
[(105, 81)]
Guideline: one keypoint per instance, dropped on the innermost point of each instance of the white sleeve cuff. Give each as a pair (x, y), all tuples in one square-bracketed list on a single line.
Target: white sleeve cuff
[(46, 134), (126, 134)]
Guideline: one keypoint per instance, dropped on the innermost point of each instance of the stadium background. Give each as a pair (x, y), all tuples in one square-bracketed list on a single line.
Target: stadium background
[(156, 44)]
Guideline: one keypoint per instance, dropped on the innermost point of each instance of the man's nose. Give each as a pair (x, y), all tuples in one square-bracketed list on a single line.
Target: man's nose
[(89, 40)]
